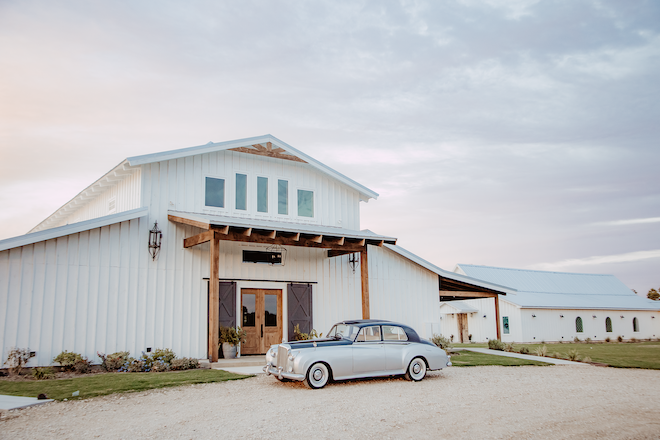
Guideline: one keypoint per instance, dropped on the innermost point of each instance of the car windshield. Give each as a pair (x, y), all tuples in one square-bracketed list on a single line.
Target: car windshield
[(343, 330)]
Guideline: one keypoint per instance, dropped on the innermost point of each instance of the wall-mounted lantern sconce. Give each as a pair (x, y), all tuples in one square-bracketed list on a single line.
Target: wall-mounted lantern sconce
[(155, 238), (622, 316), (484, 316), (652, 317), (353, 261), (533, 316), (594, 316), (561, 316), (276, 249)]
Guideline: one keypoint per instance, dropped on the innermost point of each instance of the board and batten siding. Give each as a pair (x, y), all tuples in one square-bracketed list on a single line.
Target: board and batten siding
[(179, 185), (482, 329), (401, 290), (126, 195)]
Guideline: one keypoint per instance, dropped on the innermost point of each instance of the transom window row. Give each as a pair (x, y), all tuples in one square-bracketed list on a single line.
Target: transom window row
[(579, 327), (215, 195)]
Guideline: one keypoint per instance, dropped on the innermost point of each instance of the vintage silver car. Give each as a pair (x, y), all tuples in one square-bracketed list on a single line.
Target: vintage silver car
[(356, 349)]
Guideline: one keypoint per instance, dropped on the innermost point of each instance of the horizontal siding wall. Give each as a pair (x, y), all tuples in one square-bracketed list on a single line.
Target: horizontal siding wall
[(549, 326), (179, 185), (403, 291)]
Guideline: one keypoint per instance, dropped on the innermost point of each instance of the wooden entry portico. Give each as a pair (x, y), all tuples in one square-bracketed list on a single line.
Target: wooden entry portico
[(335, 240)]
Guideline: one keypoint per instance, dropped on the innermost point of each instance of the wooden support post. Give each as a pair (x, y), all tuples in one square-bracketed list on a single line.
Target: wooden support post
[(364, 275), (497, 316), (214, 299)]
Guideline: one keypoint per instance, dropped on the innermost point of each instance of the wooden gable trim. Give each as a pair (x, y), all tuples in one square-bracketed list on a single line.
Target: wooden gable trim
[(268, 151)]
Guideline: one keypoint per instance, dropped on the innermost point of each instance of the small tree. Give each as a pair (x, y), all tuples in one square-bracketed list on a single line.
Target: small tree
[(653, 294)]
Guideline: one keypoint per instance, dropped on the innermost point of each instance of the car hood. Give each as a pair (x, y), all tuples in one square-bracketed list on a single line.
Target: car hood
[(295, 345)]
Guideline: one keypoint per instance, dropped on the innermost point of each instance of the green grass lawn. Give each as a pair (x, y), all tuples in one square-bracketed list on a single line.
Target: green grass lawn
[(623, 355), (110, 383), (470, 359)]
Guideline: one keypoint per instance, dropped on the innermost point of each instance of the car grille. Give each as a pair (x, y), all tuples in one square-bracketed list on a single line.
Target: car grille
[(282, 354)]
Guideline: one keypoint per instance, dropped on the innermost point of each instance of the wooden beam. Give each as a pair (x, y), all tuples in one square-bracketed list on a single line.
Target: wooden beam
[(381, 243), (333, 253), (257, 237), (497, 317), (185, 221), (338, 241), (198, 239), (362, 242), (247, 232), (364, 278), (214, 300), (222, 229), (467, 294), (317, 239), (296, 237), (273, 234)]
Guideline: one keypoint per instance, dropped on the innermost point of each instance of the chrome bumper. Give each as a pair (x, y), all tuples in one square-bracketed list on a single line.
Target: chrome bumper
[(270, 369)]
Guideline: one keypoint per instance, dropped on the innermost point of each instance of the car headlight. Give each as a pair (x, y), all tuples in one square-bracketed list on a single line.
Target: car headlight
[(271, 352)]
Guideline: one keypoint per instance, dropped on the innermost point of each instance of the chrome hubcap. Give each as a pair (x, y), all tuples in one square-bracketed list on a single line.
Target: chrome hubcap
[(318, 374), (417, 368)]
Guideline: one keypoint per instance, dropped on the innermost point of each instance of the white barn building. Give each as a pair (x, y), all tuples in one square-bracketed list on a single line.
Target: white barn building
[(278, 230), (551, 306)]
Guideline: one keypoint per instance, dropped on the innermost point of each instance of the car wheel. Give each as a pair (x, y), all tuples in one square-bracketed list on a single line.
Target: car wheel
[(416, 370), (317, 376)]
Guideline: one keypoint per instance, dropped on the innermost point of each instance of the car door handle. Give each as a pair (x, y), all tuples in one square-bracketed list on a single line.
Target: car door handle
[(262, 330)]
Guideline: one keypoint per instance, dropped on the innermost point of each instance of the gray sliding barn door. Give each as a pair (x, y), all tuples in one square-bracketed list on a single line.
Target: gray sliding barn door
[(299, 308), (228, 304)]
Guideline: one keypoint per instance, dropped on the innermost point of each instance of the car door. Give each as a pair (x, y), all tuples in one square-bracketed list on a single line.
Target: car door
[(395, 342), (368, 351)]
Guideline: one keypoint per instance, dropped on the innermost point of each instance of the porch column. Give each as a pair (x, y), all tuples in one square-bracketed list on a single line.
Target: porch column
[(364, 275), (214, 299), (497, 316)]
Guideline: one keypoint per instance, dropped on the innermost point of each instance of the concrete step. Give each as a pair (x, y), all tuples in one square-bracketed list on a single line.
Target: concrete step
[(243, 361)]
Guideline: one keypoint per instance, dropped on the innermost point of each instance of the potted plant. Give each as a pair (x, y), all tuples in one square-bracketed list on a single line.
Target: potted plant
[(230, 337)]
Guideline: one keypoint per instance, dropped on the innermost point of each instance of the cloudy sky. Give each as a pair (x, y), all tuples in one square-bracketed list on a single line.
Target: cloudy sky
[(517, 133)]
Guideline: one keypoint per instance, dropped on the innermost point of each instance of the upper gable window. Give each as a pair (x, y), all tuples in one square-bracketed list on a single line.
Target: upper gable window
[(215, 192), (262, 194), (305, 203), (241, 191), (283, 197)]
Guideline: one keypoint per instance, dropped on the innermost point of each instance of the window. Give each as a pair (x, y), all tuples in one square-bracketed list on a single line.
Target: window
[(635, 325), (283, 197), (391, 333), (270, 310), (249, 309), (241, 192), (262, 257), (608, 325), (369, 334), (578, 325), (305, 203), (215, 192), (262, 194), (505, 324)]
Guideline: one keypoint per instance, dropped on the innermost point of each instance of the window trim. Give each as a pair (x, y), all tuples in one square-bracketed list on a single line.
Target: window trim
[(288, 197), (268, 204), (215, 208), (313, 217), (608, 320), (580, 328), (380, 330), (247, 192)]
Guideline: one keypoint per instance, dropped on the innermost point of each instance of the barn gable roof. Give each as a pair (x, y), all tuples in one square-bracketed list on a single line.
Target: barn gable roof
[(266, 145), (561, 290)]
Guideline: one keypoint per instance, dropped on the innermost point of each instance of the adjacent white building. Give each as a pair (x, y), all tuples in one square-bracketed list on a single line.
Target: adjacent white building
[(551, 306), (278, 231)]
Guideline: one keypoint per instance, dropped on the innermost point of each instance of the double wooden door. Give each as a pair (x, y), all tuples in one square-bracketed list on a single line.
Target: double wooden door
[(261, 319)]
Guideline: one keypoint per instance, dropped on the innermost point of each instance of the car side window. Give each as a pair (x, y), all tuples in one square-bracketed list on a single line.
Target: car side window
[(368, 334), (393, 333)]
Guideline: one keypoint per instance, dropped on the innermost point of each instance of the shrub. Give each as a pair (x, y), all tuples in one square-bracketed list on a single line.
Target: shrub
[(607, 339), (300, 336), (233, 336), (576, 339), (619, 338), (114, 361), (573, 355), (495, 344), (470, 337), (160, 365), (441, 341), (185, 364), (556, 355), (164, 354), (42, 373), (524, 350), (16, 359), (588, 340), (541, 351), (141, 365), (72, 362), (633, 340), (586, 359), (509, 348)]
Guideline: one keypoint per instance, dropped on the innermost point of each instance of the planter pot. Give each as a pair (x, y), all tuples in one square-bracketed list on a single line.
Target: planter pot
[(228, 350)]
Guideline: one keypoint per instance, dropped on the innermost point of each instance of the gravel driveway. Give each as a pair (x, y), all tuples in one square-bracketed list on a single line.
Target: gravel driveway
[(477, 402)]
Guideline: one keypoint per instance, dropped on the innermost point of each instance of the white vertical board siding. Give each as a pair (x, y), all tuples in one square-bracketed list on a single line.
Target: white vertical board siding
[(335, 204), (515, 323), (126, 193), (98, 290), (548, 325), (481, 328), (403, 291)]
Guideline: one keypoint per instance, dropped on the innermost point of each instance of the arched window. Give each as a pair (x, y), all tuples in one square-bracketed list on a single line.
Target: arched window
[(578, 325), (635, 325), (608, 325)]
